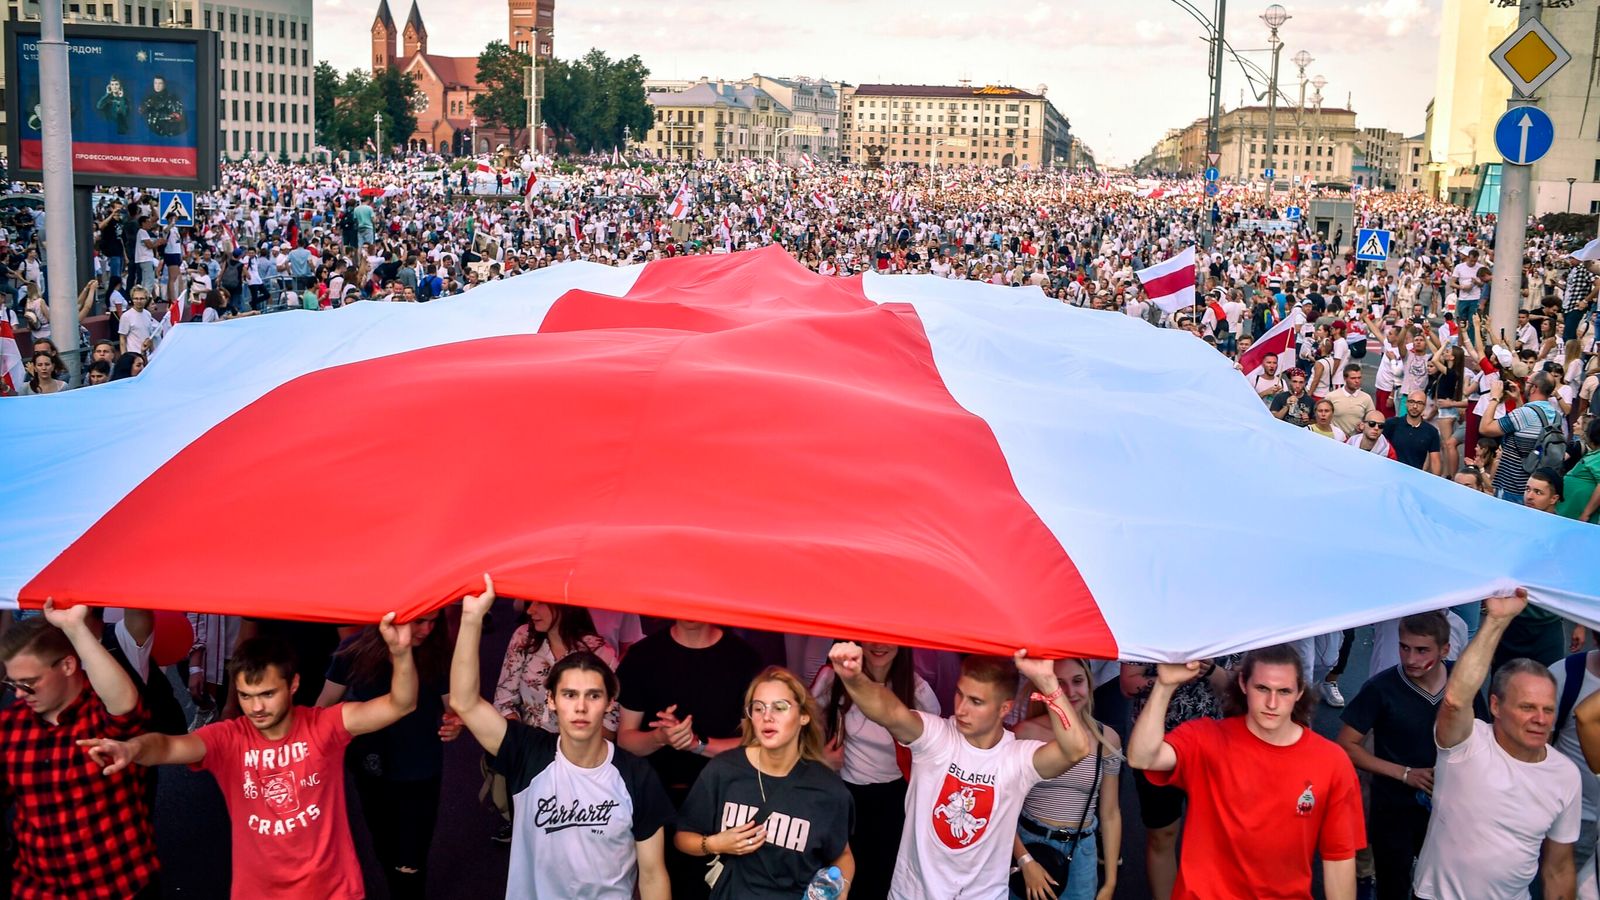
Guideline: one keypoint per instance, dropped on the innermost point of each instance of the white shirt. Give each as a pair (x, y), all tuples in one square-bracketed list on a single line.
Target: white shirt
[(141, 251), (1465, 276), (869, 755), (961, 814), (1491, 816), (137, 325), (1567, 740)]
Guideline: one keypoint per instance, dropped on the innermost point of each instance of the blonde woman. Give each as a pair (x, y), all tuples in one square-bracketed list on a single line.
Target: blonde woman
[(1076, 812), (772, 812)]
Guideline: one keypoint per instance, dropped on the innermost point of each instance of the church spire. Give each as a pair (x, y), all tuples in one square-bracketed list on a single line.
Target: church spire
[(414, 39), (383, 35)]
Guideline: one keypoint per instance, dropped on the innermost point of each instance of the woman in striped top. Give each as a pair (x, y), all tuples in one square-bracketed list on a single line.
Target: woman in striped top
[(1075, 813)]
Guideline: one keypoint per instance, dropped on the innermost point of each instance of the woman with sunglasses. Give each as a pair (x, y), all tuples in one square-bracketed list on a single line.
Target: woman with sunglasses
[(398, 769), (1369, 436), (773, 812)]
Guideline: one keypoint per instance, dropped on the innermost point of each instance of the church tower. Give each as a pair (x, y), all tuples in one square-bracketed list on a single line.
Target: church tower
[(531, 27), (415, 38), (383, 35)]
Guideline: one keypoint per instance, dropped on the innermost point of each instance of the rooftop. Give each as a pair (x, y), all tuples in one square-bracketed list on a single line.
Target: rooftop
[(946, 91)]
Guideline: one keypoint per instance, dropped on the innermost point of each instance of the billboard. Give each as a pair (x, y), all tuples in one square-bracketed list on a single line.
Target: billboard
[(143, 102)]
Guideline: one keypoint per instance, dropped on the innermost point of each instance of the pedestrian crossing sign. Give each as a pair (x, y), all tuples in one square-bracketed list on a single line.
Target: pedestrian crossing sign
[(1372, 245), (179, 202)]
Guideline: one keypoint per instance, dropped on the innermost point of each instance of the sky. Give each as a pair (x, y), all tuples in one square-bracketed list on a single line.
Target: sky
[(1122, 71)]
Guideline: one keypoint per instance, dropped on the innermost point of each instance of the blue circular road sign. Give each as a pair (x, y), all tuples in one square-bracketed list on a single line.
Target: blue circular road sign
[(1524, 135)]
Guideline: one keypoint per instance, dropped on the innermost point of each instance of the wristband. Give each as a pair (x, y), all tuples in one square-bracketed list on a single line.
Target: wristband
[(703, 850), (1024, 859), (1405, 775)]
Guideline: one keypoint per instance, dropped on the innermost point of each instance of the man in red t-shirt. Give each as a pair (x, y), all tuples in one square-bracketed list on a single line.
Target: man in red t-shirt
[(1266, 794), (281, 770)]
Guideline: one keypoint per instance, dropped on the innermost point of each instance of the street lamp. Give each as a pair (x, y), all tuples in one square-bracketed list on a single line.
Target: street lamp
[(1275, 15), (933, 154), (1570, 182), (377, 134), (474, 124)]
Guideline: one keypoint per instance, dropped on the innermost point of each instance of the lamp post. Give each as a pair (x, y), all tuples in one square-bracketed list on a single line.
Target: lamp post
[(1274, 16), (1301, 60), (377, 135), (933, 158), (474, 124), (1570, 183)]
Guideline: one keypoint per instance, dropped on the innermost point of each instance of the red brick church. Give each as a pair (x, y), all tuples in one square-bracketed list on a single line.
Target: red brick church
[(446, 85)]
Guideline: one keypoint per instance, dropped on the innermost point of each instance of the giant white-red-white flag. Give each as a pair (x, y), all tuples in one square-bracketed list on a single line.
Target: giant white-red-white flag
[(736, 439), (1170, 283)]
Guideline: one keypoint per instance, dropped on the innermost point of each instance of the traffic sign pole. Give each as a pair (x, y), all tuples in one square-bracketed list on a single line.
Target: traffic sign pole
[(1511, 225)]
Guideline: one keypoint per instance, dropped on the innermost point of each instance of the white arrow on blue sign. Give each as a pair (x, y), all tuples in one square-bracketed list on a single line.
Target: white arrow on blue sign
[(1212, 173), (1269, 174), (1524, 135), (1292, 213)]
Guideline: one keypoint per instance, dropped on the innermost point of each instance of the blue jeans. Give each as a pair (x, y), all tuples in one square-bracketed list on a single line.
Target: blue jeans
[(1472, 614), (1083, 877), (1509, 496), (1466, 316)]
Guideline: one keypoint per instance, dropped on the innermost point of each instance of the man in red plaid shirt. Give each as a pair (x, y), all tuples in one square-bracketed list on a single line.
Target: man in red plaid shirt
[(79, 833)]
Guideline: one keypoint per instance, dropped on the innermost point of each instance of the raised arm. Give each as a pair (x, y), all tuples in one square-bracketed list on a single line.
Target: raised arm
[(153, 749), (1147, 745), (1454, 722), (1587, 715), (110, 683), (381, 712), (486, 724), (1071, 736), (875, 701)]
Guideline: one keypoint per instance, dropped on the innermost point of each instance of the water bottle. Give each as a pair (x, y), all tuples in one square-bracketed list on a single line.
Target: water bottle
[(827, 884)]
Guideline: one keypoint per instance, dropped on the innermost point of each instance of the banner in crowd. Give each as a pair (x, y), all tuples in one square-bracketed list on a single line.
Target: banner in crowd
[(736, 439)]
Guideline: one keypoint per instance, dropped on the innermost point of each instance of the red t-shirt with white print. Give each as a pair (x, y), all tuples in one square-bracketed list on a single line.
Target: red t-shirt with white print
[(286, 802)]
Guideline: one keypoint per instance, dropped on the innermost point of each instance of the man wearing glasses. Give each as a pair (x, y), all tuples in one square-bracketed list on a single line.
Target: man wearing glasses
[(1369, 435), (78, 833)]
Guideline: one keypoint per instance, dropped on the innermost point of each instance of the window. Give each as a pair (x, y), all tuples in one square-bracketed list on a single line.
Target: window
[(259, 118), (1594, 207), (1597, 170), (247, 111), (233, 49), (235, 115), (235, 79), (236, 139), (208, 19), (269, 28), (233, 25), (258, 53), (258, 26), (305, 113), (258, 82), (283, 112), (272, 114), (272, 139), (270, 53), (141, 16)]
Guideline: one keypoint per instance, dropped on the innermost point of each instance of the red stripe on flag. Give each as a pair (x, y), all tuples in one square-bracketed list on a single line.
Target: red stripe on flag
[(1274, 342), (1170, 283), (737, 440)]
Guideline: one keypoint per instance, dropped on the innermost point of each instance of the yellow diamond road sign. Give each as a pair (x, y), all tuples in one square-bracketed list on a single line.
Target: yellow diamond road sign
[(1530, 57)]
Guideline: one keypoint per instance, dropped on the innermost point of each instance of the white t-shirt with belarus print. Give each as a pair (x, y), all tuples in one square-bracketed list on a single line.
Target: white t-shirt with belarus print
[(961, 814)]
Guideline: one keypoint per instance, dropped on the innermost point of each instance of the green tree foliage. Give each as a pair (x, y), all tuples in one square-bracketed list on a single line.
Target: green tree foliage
[(587, 102), (502, 103), (345, 107)]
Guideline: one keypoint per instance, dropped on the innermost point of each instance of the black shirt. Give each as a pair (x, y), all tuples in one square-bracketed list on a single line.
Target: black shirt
[(1411, 444), (1400, 716), (408, 750), (1301, 412), (809, 815), (707, 683)]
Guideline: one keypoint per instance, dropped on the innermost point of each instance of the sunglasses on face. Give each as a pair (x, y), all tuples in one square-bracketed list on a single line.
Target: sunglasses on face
[(27, 686), (1373, 424)]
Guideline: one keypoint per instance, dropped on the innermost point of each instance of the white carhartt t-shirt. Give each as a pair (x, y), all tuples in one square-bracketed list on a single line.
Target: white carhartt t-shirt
[(961, 814), (577, 829), (1491, 816)]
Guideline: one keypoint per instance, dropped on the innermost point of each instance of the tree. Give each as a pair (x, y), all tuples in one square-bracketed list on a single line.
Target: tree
[(502, 70), (345, 107), (592, 100)]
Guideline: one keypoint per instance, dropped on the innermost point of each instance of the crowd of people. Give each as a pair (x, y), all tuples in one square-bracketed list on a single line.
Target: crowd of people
[(632, 757)]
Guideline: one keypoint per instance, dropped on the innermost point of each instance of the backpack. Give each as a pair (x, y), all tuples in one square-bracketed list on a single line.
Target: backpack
[(1549, 448)]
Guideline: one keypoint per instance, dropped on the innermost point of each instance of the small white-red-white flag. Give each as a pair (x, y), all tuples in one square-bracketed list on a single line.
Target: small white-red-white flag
[(819, 201), (12, 372), (1170, 283), (1278, 341), (897, 200), (680, 204)]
